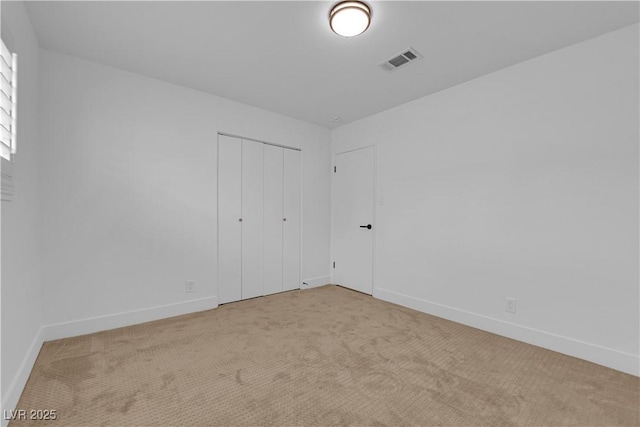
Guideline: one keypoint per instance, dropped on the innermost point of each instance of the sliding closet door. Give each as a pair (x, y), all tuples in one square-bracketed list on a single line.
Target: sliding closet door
[(252, 219), (273, 218), (291, 231), (229, 213)]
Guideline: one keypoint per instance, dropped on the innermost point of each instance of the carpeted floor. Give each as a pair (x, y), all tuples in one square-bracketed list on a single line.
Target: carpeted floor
[(324, 356)]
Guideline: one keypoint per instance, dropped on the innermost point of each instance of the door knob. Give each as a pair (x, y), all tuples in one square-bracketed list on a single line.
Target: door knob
[(240, 219), (368, 226)]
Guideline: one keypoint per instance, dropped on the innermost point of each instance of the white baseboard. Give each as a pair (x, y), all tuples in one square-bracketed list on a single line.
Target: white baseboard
[(315, 282), (111, 321), (611, 358), (10, 399)]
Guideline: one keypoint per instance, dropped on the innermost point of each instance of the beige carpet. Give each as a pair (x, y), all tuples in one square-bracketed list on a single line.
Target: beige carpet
[(325, 356)]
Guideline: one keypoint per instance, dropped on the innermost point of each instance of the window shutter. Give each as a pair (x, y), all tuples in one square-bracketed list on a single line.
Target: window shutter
[(8, 98)]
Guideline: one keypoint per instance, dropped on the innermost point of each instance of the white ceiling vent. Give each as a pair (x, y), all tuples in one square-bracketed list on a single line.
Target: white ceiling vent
[(407, 56)]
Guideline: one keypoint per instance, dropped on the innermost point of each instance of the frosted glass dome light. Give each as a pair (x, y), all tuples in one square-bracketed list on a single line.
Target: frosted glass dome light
[(350, 18)]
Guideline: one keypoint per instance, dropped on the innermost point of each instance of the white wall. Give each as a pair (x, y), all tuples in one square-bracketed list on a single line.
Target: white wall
[(129, 193), (21, 286), (522, 183)]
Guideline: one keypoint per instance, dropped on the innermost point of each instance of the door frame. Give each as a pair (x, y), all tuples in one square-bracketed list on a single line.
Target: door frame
[(374, 207)]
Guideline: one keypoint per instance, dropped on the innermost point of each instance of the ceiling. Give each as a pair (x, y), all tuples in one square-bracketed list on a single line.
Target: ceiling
[(282, 56)]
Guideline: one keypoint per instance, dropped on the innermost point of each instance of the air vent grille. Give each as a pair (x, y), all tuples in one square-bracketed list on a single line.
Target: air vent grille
[(400, 60)]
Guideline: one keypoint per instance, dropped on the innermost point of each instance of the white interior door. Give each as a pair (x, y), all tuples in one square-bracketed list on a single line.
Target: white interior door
[(353, 221), (252, 219), (273, 215), (229, 214), (292, 183)]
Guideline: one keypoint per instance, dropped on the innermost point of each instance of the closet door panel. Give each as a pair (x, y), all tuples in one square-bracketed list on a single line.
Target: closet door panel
[(252, 219), (229, 212), (273, 218), (292, 225)]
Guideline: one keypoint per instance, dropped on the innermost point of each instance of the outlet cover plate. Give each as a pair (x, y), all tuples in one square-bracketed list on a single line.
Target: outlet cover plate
[(190, 286), (510, 306)]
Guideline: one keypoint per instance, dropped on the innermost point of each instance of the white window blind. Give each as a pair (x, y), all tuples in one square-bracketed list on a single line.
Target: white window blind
[(8, 102)]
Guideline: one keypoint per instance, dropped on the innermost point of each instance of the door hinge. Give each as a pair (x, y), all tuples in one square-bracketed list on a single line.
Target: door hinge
[(335, 169), (334, 264)]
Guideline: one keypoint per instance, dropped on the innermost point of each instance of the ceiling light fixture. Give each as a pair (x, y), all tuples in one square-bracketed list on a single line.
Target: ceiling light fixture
[(350, 18)]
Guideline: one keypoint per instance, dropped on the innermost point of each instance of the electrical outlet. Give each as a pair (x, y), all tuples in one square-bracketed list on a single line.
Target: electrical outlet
[(511, 305), (190, 286)]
